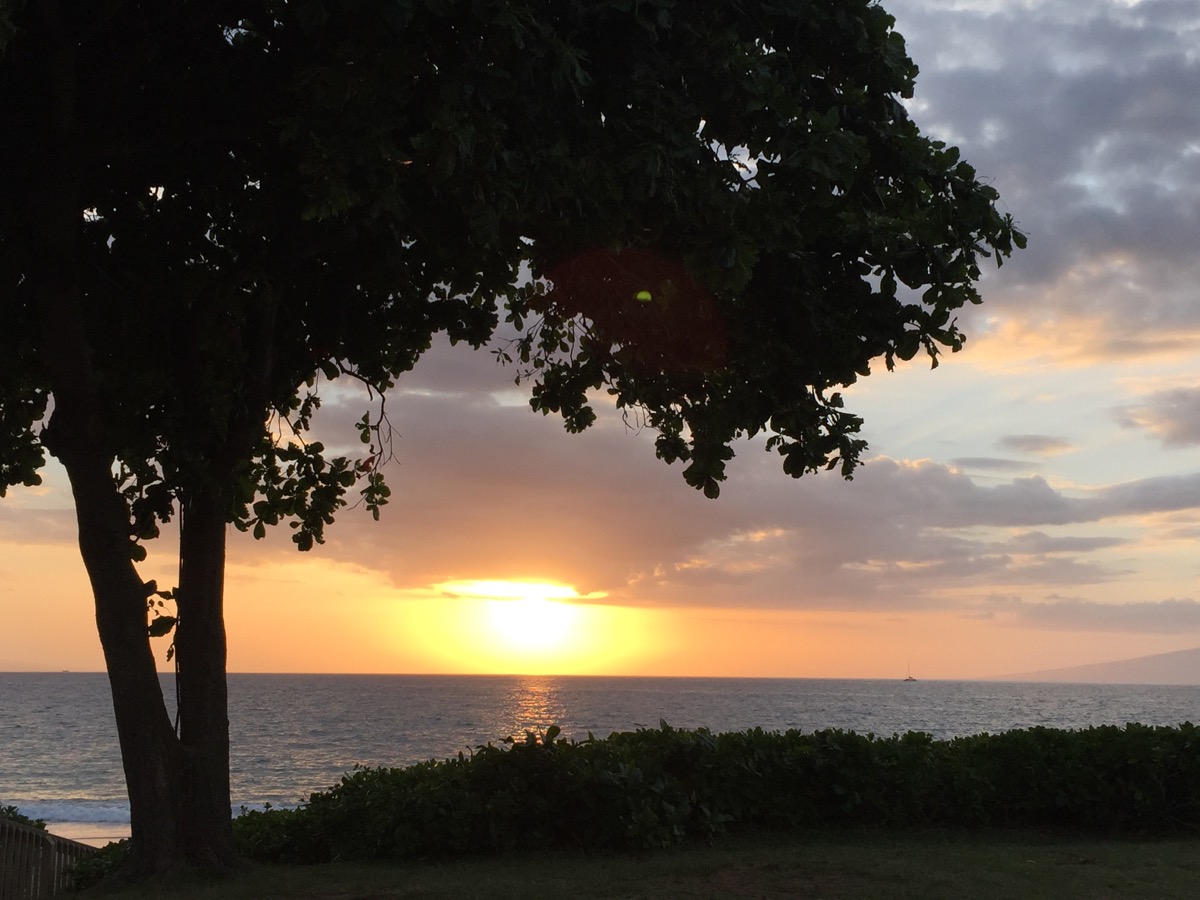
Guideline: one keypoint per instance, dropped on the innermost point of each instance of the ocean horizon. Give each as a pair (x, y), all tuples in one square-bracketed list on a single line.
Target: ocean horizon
[(293, 734)]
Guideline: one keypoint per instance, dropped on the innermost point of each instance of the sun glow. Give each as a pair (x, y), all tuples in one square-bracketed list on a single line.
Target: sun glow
[(511, 590), (533, 623), (529, 627), (527, 617)]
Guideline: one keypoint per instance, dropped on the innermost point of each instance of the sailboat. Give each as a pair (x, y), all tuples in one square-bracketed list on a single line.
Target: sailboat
[(909, 676)]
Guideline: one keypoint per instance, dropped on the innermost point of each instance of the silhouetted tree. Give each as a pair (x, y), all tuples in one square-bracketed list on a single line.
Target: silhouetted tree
[(720, 211)]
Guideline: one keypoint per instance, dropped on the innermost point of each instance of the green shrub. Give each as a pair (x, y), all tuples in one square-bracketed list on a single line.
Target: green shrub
[(90, 870), (656, 787), (15, 815)]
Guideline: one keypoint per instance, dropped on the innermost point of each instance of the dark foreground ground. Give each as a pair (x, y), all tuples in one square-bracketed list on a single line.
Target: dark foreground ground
[(854, 866)]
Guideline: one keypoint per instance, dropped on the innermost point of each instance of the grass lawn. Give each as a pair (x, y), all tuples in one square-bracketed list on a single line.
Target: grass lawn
[(854, 866)]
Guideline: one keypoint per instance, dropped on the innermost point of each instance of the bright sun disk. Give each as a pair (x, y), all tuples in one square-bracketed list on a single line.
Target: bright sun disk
[(529, 626)]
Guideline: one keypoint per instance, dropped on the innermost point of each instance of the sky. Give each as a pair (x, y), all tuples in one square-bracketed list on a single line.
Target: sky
[(1032, 503)]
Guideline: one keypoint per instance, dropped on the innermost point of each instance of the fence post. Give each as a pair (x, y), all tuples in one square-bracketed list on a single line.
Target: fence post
[(34, 863)]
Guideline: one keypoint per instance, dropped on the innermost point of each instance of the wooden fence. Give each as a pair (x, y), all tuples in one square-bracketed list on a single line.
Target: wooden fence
[(34, 863)]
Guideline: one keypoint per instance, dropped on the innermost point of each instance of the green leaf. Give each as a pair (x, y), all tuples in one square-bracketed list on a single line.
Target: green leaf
[(161, 626)]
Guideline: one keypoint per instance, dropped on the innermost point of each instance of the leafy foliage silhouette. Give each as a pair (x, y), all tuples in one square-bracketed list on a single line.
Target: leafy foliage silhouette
[(212, 210)]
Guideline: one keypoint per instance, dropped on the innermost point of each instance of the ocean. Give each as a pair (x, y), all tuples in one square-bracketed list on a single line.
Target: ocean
[(295, 734)]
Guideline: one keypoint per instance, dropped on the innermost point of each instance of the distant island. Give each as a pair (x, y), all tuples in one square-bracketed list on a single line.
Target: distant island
[(1180, 667)]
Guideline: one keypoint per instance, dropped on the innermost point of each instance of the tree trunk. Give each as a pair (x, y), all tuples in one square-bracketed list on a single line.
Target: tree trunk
[(149, 749), (150, 752), (178, 786), (207, 829)]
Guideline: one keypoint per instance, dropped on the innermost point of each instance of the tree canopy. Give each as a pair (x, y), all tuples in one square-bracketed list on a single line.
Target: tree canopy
[(720, 213), (269, 192)]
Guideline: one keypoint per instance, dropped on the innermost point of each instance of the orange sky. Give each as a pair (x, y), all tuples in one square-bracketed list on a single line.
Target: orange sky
[(511, 546), (1033, 503)]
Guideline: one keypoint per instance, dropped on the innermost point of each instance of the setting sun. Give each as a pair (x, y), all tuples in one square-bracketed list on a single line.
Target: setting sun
[(525, 617), (533, 623), (526, 627)]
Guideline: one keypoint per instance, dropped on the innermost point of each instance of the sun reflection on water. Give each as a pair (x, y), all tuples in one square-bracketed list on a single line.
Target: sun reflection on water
[(534, 703)]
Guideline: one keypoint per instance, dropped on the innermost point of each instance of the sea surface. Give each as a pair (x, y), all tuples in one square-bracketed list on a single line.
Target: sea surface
[(295, 734)]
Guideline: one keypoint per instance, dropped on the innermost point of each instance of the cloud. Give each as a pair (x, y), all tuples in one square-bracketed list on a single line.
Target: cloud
[(1149, 496), (1037, 444), (991, 464), (1169, 616), (32, 525), (484, 489), (1084, 114), (1172, 416), (1038, 542)]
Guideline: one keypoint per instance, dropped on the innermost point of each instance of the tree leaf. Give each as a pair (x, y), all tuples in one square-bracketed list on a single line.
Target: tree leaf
[(161, 626)]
